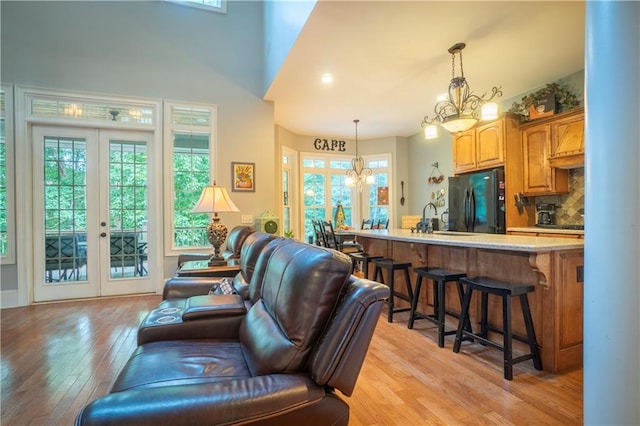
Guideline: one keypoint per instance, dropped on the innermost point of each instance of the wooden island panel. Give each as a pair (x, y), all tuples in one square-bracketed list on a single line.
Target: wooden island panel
[(556, 305)]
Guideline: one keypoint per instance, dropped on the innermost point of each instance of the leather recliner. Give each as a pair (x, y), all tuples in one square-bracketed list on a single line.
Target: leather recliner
[(252, 246), (235, 239), (306, 336), (190, 312)]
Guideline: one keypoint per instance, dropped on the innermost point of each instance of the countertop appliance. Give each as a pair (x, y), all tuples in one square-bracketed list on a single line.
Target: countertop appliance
[(546, 214), (476, 202)]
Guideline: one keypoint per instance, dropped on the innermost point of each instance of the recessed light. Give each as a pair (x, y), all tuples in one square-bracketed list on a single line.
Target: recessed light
[(327, 78)]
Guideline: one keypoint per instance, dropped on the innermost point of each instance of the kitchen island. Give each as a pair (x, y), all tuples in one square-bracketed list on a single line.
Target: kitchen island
[(554, 265)]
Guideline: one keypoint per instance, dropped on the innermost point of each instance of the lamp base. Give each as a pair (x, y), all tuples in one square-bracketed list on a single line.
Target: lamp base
[(216, 234), (217, 261)]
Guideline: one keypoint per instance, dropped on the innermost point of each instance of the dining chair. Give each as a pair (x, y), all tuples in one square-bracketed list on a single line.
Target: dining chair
[(382, 224), (366, 224)]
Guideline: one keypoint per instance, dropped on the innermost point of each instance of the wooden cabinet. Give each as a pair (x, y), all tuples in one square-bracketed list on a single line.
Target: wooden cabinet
[(567, 140), (539, 177), (570, 297), (464, 151), (479, 148)]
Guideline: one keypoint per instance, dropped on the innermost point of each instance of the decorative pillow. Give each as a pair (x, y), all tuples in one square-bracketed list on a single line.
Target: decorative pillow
[(224, 286)]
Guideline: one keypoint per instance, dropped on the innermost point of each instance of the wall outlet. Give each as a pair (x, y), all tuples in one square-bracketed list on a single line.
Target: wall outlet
[(246, 218)]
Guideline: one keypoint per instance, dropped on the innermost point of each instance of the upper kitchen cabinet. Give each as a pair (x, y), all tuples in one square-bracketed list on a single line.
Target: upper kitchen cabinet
[(539, 177), (567, 140), (482, 147)]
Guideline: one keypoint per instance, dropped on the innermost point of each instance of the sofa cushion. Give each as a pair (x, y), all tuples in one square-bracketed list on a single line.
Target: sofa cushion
[(182, 362), (300, 288)]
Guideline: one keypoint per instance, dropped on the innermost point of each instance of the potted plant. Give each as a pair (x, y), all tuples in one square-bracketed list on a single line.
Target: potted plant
[(563, 98)]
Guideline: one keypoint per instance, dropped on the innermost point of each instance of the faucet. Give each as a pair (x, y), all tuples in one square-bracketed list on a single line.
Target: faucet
[(425, 227), (424, 211)]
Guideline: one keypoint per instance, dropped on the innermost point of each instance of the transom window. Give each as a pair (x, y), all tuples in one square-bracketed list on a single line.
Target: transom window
[(219, 6)]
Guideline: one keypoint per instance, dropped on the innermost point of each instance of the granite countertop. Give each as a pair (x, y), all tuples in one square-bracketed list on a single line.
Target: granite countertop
[(547, 230), (477, 240)]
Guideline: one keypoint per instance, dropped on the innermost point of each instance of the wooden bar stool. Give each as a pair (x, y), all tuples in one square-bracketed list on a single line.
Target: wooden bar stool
[(505, 290), (365, 259), (439, 278), (391, 266)]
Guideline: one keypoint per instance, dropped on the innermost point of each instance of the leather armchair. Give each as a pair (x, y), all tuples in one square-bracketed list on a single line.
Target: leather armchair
[(184, 287), (305, 337), (193, 317), (235, 239)]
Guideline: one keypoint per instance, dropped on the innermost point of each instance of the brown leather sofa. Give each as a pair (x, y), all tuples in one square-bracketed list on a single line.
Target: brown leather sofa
[(189, 312), (252, 246), (304, 338), (235, 239)]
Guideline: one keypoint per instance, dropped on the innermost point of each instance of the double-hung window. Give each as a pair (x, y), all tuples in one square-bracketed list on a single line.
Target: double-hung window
[(7, 185), (189, 133)]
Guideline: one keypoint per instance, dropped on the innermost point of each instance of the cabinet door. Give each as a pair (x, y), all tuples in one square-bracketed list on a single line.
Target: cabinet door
[(490, 145), (571, 300), (567, 141), (536, 142), (464, 151)]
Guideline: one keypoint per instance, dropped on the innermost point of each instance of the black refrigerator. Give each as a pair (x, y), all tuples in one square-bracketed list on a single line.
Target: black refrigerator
[(476, 202)]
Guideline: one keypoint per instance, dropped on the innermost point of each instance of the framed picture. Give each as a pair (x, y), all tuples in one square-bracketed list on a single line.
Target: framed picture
[(243, 177)]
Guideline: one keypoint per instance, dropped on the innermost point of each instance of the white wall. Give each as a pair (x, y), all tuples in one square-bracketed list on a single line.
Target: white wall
[(154, 50), (422, 154)]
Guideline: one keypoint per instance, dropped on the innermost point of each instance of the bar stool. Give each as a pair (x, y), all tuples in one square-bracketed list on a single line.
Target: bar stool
[(439, 277), (506, 290), (365, 259), (391, 266)]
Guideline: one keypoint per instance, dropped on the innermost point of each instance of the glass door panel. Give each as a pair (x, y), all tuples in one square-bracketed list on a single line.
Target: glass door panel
[(314, 201), (60, 158), (124, 213)]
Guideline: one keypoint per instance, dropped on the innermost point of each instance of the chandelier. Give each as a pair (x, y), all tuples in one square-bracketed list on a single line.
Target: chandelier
[(460, 111), (358, 173)]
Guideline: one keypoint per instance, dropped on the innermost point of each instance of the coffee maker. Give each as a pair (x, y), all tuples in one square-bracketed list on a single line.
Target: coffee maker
[(546, 213)]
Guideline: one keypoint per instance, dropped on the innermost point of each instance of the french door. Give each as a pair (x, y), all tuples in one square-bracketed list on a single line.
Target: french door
[(90, 212)]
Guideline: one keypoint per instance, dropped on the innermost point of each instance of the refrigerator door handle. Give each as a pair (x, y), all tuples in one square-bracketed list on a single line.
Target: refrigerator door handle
[(466, 209), (472, 209)]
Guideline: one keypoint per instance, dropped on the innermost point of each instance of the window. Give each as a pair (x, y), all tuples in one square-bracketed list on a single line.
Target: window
[(219, 6), (381, 172), (189, 130), (324, 188), (7, 185)]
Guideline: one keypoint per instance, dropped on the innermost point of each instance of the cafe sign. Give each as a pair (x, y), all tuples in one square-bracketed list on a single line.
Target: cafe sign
[(329, 145)]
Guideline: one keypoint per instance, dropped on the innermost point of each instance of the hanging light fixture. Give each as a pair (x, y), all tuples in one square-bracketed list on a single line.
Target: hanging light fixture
[(358, 173), (460, 111)]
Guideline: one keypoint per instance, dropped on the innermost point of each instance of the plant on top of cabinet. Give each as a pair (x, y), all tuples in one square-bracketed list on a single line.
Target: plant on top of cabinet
[(564, 100)]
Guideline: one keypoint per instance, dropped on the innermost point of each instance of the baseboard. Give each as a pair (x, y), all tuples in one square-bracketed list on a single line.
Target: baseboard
[(9, 299)]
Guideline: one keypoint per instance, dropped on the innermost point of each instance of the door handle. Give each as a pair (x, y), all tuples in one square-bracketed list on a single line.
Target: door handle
[(103, 234)]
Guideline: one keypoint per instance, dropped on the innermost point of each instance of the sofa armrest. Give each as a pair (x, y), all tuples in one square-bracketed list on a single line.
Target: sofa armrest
[(217, 305), (228, 402), (185, 287)]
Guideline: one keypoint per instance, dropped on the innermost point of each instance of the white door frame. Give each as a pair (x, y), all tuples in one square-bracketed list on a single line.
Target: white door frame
[(24, 120)]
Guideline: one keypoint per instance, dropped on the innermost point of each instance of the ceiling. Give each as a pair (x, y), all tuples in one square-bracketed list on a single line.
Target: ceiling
[(389, 60)]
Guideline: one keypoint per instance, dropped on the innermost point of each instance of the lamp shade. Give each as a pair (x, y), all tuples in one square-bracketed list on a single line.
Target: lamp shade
[(214, 199)]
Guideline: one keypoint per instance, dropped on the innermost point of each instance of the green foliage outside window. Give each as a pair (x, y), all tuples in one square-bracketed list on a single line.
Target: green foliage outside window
[(191, 171)]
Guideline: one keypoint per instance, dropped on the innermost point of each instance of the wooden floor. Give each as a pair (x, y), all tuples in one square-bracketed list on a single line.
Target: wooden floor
[(58, 357)]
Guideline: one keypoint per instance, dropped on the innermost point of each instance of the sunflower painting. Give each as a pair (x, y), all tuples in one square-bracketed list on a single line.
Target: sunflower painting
[(243, 177)]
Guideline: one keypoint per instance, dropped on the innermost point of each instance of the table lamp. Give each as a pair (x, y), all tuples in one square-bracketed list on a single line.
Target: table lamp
[(215, 199)]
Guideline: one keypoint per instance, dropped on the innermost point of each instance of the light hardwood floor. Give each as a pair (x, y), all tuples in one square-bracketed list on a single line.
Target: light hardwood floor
[(58, 357)]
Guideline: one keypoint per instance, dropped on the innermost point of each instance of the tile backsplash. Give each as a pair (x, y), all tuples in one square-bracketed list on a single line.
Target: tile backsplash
[(567, 205)]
